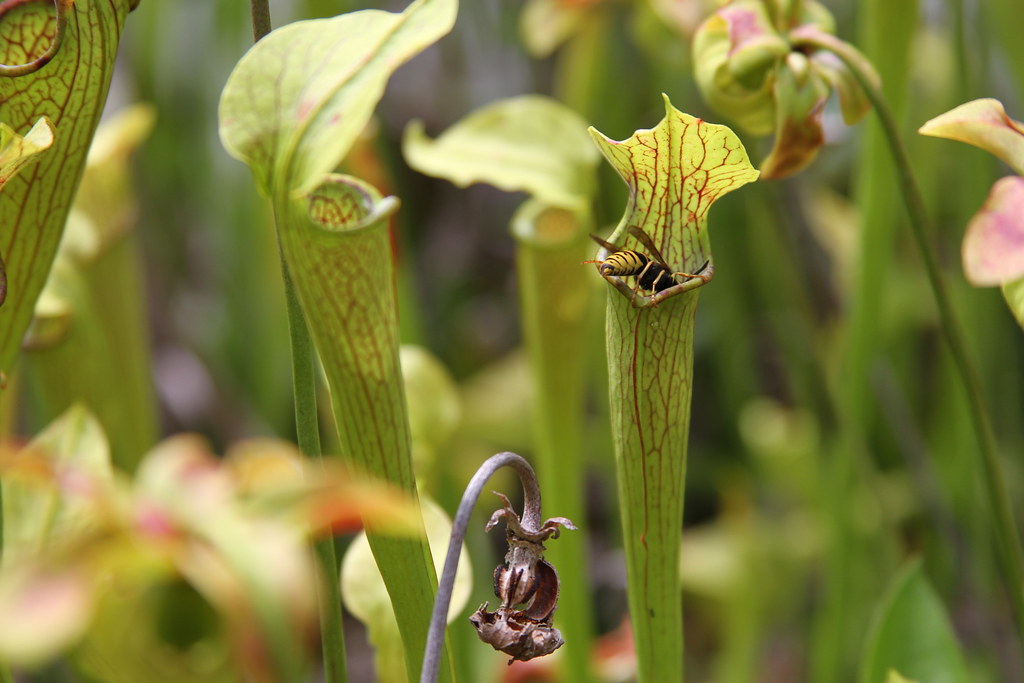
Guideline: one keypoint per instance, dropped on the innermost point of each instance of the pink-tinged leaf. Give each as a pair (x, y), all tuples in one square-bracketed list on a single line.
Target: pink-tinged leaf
[(982, 123), (53, 486), (993, 249), (753, 41), (42, 611), (734, 51)]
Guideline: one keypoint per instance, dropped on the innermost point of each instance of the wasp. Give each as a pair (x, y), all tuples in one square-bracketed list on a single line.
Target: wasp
[(651, 272)]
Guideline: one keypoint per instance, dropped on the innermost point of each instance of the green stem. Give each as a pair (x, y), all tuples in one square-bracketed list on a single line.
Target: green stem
[(332, 637), (260, 10), (307, 431), (550, 245), (1007, 538)]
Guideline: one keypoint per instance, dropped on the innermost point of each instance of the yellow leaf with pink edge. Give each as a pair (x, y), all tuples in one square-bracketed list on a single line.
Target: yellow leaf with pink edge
[(985, 124), (993, 249)]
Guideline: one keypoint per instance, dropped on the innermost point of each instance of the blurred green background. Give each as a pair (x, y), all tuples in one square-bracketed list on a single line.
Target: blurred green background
[(776, 329)]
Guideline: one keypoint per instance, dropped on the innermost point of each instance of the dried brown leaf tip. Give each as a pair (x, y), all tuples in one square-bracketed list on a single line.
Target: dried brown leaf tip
[(527, 586)]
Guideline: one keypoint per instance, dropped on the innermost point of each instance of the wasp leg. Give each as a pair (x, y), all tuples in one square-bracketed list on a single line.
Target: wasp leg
[(640, 278), (698, 274)]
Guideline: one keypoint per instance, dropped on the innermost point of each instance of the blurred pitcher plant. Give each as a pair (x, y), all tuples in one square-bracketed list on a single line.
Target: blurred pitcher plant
[(85, 547), (993, 246), (771, 65)]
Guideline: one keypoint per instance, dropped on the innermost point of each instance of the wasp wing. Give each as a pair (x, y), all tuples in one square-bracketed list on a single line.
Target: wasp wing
[(648, 243), (607, 245)]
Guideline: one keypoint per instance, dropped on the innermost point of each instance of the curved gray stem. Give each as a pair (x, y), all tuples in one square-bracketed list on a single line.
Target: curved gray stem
[(530, 519)]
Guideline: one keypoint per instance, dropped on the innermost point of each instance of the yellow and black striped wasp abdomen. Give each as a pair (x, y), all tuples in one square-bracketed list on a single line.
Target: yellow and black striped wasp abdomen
[(624, 263), (651, 272)]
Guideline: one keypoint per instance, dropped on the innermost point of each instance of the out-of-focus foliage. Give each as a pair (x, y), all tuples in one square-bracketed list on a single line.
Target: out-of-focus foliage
[(81, 543), (912, 636), (757, 62), (776, 334), (993, 248), (92, 305), (366, 597)]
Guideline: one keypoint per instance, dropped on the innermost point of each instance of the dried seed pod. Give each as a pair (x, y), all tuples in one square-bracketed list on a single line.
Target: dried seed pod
[(514, 633), (526, 579)]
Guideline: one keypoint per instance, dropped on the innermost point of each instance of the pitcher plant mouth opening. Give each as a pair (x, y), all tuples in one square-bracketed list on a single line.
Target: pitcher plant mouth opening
[(62, 9), (649, 269), (639, 300)]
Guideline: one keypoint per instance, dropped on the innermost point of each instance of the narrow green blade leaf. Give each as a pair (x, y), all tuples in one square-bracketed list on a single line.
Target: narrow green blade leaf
[(529, 143), (913, 636), (297, 100)]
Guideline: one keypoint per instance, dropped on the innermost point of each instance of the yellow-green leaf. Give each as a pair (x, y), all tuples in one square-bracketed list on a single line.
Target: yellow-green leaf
[(675, 172), (1013, 292), (106, 194), (435, 408), (300, 96), (985, 124), (16, 151), (92, 307), (913, 635), (545, 24), (530, 143)]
